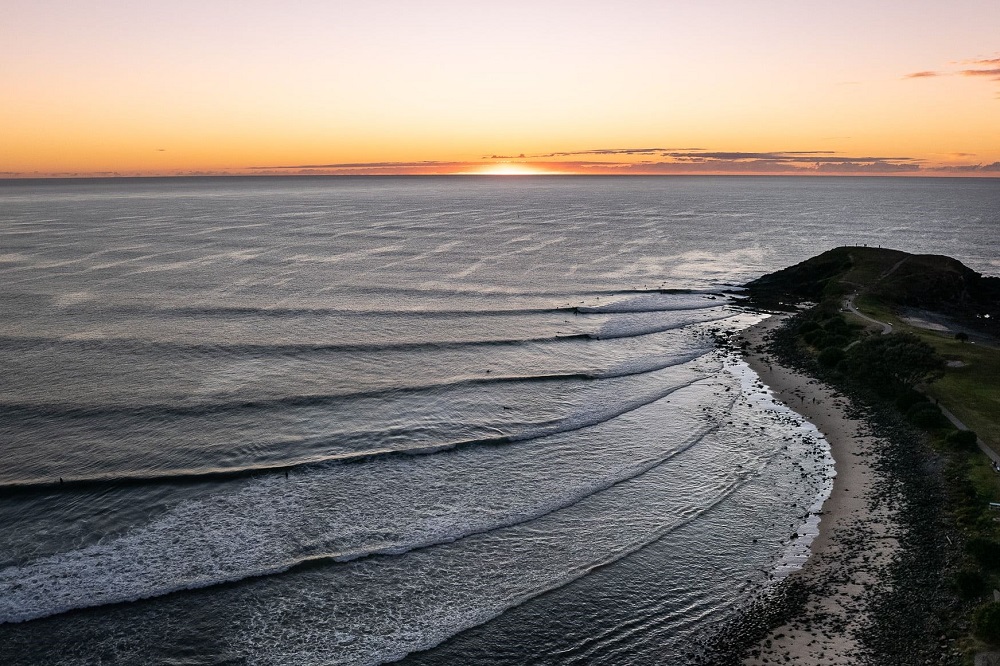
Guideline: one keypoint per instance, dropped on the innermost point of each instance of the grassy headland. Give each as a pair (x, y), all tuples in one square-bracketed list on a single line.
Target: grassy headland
[(905, 335)]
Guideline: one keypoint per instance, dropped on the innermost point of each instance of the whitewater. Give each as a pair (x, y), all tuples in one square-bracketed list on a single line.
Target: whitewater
[(443, 420)]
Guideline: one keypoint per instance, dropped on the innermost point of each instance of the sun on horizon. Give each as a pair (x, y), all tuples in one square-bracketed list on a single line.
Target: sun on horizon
[(511, 169)]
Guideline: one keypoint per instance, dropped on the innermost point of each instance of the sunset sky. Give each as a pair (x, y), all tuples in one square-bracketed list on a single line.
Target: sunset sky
[(581, 86)]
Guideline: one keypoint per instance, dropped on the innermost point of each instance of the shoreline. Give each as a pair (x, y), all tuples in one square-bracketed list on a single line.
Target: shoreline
[(854, 542)]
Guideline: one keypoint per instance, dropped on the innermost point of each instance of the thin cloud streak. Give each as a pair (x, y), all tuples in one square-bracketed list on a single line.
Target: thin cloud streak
[(687, 161), (988, 68), (365, 165), (982, 72), (792, 156), (973, 168), (611, 151), (774, 166)]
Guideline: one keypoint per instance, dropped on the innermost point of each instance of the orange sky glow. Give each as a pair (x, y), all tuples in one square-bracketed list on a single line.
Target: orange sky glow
[(466, 87)]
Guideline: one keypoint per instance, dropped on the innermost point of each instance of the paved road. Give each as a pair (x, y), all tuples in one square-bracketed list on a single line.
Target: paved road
[(849, 304)]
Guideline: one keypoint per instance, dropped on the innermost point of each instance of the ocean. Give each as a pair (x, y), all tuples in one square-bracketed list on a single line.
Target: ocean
[(462, 420)]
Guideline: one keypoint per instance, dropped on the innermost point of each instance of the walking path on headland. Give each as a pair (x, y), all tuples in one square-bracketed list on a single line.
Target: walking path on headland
[(849, 301), (990, 453)]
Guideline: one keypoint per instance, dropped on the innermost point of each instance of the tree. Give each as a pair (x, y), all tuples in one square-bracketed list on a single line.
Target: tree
[(962, 336), (830, 357), (970, 583), (986, 622), (985, 551), (926, 415), (894, 361), (963, 439)]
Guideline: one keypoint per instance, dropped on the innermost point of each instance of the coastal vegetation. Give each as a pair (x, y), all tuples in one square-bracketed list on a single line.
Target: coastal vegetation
[(913, 340)]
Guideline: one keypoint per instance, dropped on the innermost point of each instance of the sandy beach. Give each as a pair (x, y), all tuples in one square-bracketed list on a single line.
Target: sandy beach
[(854, 540)]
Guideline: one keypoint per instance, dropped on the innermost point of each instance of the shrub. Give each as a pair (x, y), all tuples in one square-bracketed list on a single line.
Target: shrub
[(836, 325), (808, 326), (985, 551), (969, 583), (962, 439), (894, 361), (836, 340), (830, 357), (926, 415), (814, 337), (986, 622), (909, 398), (827, 309)]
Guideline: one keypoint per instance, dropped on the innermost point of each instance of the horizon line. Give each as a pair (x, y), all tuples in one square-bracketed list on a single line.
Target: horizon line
[(17, 177)]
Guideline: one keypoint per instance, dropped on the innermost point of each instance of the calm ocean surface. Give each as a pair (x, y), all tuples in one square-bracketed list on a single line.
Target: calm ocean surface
[(445, 420)]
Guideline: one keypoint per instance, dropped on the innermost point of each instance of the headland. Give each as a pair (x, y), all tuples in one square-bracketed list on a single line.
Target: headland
[(870, 345)]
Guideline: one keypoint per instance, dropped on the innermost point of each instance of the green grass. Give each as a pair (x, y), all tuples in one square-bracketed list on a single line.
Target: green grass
[(869, 265), (984, 479), (877, 310), (971, 392)]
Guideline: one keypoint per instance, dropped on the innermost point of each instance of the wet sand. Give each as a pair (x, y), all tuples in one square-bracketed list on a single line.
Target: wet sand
[(854, 540)]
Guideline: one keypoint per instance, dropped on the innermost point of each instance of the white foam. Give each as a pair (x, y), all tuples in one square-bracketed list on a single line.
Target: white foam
[(381, 610), (337, 511), (645, 323), (761, 398), (657, 303)]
